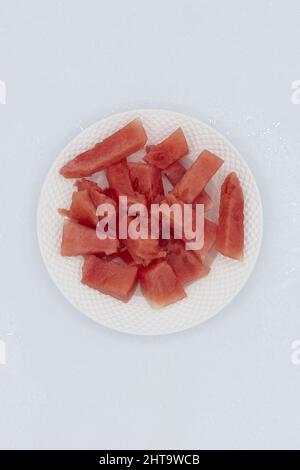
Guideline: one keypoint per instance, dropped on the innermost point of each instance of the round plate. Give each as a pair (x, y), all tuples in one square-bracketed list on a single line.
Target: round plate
[(207, 296)]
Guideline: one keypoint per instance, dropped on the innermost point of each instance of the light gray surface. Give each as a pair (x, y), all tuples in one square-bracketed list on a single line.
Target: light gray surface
[(230, 383)]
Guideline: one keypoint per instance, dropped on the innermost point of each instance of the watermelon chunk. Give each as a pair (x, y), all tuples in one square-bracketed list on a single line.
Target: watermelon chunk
[(230, 234), (160, 284), (116, 147), (143, 251), (146, 179), (119, 179), (110, 278), (168, 151), (197, 176), (82, 209), (120, 184), (174, 172), (81, 240), (186, 265)]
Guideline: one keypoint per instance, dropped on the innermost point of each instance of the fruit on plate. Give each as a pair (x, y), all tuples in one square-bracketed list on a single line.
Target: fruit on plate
[(146, 179), (159, 262), (109, 277), (197, 176), (230, 234), (186, 265), (165, 153), (160, 284), (124, 142), (79, 240)]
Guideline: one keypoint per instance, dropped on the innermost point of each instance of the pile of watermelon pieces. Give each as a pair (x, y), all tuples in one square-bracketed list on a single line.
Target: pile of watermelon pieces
[(162, 267)]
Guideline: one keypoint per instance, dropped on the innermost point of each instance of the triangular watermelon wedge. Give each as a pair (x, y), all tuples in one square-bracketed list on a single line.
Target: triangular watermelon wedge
[(127, 140), (168, 151), (230, 235)]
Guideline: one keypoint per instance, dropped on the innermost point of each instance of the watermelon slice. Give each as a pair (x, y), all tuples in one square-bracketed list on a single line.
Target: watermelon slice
[(113, 149), (174, 172), (81, 240), (230, 234), (120, 184), (160, 284), (197, 176), (117, 280), (82, 209), (186, 265), (146, 179), (119, 179), (168, 151)]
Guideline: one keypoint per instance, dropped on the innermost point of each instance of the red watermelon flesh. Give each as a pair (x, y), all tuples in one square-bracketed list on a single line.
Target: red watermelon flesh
[(87, 184), (174, 172), (204, 198), (109, 277), (230, 234), (81, 240), (126, 141), (210, 234), (82, 209), (111, 193), (119, 179), (143, 251), (100, 198), (177, 225), (127, 258), (186, 265), (168, 151), (197, 176), (146, 179), (64, 212), (160, 284)]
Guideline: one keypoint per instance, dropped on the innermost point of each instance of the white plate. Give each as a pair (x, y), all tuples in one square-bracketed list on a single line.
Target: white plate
[(207, 296)]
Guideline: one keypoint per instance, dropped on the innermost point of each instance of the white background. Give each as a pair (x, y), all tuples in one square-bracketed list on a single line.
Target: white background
[(69, 383)]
